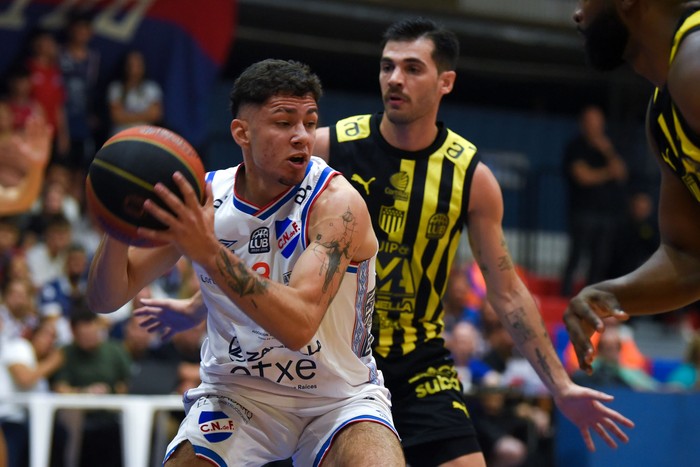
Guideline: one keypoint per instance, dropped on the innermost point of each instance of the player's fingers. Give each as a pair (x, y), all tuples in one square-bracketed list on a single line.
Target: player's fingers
[(159, 213), (615, 416), (188, 193), (598, 427), (587, 439), (150, 323), (167, 334), (580, 339), (616, 430)]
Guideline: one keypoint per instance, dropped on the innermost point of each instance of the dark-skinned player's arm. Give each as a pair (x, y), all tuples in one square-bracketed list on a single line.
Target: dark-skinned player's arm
[(670, 278), (291, 313), (518, 312)]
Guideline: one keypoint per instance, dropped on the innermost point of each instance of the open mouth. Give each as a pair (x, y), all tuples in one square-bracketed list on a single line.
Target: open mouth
[(297, 160)]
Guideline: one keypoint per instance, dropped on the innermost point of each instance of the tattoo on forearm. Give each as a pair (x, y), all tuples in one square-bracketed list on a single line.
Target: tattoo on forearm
[(238, 277), (522, 332), (505, 263), (335, 249), (544, 364)]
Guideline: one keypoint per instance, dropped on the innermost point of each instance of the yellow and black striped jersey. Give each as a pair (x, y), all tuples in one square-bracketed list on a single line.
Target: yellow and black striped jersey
[(418, 202), (678, 145)]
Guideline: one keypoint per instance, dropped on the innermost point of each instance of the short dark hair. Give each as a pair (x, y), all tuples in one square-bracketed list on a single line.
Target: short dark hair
[(81, 313), (446, 44), (273, 77)]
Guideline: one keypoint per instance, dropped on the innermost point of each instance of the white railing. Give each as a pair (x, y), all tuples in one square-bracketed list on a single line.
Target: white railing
[(137, 420)]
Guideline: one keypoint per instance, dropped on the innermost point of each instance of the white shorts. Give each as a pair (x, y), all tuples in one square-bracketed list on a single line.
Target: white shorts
[(231, 429)]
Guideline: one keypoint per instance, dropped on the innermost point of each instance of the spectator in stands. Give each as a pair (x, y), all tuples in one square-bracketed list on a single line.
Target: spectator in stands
[(595, 175), (18, 309), (47, 258), (23, 105), (502, 434), (79, 63), (10, 235), (48, 89), (465, 343), (134, 99), (686, 375), (465, 294), (58, 297), (55, 200), (25, 366), (93, 365), (608, 369)]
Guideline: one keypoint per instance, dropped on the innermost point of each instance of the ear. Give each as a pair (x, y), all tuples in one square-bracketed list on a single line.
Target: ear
[(239, 131), (447, 81)]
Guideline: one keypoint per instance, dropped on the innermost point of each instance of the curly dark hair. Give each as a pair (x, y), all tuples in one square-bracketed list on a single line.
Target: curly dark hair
[(273, 77)]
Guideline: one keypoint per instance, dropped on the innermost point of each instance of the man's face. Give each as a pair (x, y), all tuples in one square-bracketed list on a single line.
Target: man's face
[(280, 135), (409, 80), (604, 33)]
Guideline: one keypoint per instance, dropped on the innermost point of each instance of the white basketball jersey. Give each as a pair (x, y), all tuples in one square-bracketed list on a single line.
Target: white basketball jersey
[(337, 361)]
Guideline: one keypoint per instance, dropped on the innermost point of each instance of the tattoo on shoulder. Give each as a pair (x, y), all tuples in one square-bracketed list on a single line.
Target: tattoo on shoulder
[(334, 249), (522, 332), (238, 277)]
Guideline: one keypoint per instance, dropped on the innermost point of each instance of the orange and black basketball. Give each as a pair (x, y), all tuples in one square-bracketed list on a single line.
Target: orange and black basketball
[(125, 170)]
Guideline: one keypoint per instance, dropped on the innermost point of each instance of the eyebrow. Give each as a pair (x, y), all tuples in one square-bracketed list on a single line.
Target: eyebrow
[(293, 110), (409, 60)]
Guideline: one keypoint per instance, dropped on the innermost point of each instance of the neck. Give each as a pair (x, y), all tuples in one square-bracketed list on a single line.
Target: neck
[(653, 29), (413, 136)]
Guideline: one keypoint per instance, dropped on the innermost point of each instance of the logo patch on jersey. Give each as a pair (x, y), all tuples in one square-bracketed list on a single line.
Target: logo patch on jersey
[(437, 226), (259, 241), (399, 181), (391, 219), (287, 233), (216, 426), (365, 184)]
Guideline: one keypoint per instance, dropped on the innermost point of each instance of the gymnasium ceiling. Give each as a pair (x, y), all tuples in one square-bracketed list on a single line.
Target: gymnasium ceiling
[(503, 62)]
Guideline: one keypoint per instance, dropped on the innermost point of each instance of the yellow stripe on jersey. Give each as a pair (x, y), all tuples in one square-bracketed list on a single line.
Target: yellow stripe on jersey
[(691, 22)]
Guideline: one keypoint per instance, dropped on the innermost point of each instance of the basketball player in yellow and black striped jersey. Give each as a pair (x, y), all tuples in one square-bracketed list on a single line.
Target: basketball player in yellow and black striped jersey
[(660, 39), (423, 183)]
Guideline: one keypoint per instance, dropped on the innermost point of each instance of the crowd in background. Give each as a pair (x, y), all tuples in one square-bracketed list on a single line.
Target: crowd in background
[(51, 341)]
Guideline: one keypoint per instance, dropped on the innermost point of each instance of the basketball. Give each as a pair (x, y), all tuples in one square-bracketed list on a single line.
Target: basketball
[(125, 170)]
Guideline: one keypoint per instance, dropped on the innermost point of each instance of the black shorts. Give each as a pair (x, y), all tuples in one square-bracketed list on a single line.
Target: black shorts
[(428, 407)]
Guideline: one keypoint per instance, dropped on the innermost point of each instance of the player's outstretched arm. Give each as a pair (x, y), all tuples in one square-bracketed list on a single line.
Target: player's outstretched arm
[(668, 280), (518, 312), (168, 316)]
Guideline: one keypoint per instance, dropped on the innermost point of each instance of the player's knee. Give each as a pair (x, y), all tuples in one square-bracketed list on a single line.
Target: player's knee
[(367, 444), (184, 456)]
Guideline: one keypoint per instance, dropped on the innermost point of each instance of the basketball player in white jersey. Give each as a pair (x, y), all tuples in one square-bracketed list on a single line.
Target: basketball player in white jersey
[(285, 253)]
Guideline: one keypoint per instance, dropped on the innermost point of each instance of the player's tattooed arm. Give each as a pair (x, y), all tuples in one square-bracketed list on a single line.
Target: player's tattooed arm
[(332, 250), (238, 277)]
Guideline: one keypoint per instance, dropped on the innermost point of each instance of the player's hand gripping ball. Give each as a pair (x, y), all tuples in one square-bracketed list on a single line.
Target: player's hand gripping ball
[(124, 171)]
